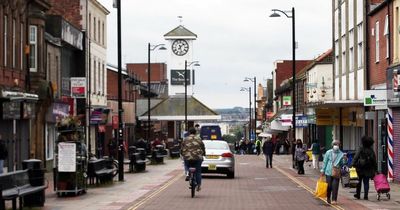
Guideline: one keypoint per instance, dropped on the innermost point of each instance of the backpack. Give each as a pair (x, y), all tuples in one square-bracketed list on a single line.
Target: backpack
[(364, 160)]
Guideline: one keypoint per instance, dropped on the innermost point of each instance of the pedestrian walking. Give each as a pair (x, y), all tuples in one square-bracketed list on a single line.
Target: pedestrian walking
[(258, 146), (334, 159), (365, 163), (300, 155), (268, 150), (3, 154), (315, 151)]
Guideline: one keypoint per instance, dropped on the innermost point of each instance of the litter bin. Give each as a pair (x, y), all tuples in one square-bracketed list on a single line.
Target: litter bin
[(36, 178)]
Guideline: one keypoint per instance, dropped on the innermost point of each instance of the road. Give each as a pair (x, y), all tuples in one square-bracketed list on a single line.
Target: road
[(254, 187)]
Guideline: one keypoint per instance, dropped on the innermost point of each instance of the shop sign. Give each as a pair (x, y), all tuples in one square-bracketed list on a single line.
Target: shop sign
[(178, 77), (286, 119), (65, 86), (301, 121), (375, 98), (99, 116), (287, 100), (11, 110), (78, 87)]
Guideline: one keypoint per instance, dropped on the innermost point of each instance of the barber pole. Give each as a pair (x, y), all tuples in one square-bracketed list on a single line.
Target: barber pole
[(395, 81), (390, 144)]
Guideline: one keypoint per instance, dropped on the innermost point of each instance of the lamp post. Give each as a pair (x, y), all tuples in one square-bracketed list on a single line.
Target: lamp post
[(249, 90), (254, 80), (120, 123), (149, 49), (292, 16), (196, 63)]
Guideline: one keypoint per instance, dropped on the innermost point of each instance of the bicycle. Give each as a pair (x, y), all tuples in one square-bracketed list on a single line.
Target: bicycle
[(192, 181)]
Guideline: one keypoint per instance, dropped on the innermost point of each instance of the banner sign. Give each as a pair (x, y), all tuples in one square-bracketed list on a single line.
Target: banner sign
[(66, 157), (78, 87)]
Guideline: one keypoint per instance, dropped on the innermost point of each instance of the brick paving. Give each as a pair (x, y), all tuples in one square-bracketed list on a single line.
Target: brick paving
[(254, 187), (345, 198)]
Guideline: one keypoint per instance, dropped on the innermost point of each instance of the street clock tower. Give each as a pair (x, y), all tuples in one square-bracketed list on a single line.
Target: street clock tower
[(180, 49)]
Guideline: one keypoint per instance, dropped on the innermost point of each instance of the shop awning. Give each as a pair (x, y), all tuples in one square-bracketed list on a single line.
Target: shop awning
[(19, 96), (173, 109)]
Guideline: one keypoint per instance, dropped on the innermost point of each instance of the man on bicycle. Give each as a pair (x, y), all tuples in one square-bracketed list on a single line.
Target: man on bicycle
[(192, 151)]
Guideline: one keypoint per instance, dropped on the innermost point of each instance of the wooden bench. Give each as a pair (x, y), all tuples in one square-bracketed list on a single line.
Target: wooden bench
[(15, 185), (102, 170)]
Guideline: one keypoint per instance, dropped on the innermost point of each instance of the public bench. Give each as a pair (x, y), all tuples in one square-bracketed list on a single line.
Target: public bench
[(158, 154), (137, 159), (174, 151), (15, 185), (100, 169)]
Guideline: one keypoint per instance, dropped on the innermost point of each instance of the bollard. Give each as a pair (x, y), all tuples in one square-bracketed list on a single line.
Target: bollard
[(2, 203)]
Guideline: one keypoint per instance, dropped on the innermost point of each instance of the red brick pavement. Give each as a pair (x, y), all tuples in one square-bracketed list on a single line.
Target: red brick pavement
[(254, 187)]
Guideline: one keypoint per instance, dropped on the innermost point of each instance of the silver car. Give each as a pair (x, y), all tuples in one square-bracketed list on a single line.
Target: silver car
[(219, 158)]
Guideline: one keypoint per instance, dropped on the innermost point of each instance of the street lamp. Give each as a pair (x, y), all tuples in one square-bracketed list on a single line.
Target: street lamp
[(254, 80), (195, 63), (120, 110), (149, 49), (292, 16), (248, 90)]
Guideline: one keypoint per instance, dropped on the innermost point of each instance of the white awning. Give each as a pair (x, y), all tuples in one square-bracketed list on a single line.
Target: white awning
[(265, 135), (277, 125)]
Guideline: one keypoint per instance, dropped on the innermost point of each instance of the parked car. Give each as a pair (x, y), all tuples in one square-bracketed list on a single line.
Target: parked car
[(219, 158)]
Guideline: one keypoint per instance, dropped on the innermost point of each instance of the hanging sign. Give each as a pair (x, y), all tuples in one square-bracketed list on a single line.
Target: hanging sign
[(287, 100), (78, 87)]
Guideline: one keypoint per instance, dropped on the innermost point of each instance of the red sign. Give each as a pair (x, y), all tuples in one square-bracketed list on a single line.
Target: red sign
[(115, 122), (78, 90)]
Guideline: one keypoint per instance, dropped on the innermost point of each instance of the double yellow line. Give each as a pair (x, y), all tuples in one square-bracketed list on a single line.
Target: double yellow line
[(153, 194), (305, 187)]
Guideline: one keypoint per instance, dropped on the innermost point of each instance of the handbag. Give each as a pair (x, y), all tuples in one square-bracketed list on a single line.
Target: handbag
[(321, 189), (335, 170)]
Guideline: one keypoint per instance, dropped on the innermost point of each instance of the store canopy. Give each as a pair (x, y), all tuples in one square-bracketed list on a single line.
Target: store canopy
[(265, 134), (277, 125), (173, 109)]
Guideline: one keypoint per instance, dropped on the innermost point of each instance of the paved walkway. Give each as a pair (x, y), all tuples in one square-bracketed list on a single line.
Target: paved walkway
[(140, 188), (118, 194), (345, 199)]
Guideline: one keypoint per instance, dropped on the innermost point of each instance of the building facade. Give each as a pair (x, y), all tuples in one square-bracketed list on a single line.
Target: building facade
[(349, 70)]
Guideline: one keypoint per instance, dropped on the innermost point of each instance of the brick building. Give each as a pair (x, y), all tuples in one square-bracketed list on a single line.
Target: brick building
[(22, 70)]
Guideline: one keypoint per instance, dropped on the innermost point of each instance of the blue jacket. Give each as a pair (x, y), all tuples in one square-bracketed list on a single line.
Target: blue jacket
[(328, 158)]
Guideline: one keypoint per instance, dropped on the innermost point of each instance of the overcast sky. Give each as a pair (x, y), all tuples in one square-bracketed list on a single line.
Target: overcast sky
[(236, 39)]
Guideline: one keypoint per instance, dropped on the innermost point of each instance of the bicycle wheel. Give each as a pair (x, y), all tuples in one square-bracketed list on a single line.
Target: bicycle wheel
[(115, 165), (193, 186)]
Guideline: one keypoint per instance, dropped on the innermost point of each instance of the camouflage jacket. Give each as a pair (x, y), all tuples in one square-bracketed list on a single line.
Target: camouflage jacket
[(193, 148)]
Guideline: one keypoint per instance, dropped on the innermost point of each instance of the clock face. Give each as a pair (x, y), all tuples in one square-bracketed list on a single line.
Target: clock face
[(180, 47)]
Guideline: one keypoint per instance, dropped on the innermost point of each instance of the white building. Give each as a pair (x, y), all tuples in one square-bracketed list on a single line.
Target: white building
[(349, 70)]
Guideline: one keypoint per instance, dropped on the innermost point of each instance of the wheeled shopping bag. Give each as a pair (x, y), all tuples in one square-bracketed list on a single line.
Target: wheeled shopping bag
[(381, 186)]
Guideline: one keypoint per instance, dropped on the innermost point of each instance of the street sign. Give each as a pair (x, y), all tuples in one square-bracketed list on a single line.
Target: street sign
[(78, 87), (375, 98), (287, 100)]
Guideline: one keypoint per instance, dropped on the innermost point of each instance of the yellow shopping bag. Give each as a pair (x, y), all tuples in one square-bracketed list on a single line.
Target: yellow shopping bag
[(321, 189), (353, 173)]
